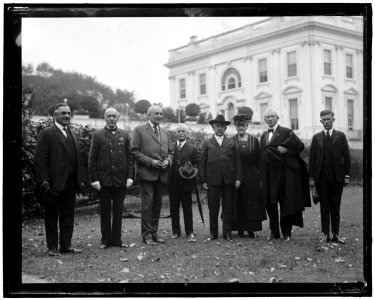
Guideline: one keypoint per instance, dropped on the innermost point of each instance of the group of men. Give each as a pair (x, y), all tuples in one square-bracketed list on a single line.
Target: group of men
[(162, 167)]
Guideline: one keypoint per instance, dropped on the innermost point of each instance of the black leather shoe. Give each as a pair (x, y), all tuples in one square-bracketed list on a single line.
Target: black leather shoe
[(70, 250), (158, 239), (337, 239), (175, 236), (212, 237), (103, 247), (287, 238), (228, 238), (150, 242), (53, 252), (274, 237)]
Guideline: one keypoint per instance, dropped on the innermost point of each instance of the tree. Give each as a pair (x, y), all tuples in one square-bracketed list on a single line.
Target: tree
[(192, 110), (180, 113), (169, 115), (142, 106), (202, 118), (245, 110), (90, 104)]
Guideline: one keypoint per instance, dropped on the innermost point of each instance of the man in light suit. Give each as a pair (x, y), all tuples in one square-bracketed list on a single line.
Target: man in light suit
[(284, 177), (153, 152), (111, 167), (180, 188), (220, 172), (329, 169), (59, 175)]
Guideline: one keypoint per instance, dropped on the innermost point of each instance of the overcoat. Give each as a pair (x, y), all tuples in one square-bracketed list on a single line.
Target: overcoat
[(187, 153), (220, 164), (146, 147), (110, 160), (51, 161), (292, 171), (340, 155)]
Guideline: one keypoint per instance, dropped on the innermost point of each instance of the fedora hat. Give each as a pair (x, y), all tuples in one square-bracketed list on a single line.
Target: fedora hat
[(188, 171), (272, 156), (219, 119)]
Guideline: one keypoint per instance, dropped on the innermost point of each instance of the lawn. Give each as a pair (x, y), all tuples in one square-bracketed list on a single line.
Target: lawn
[(303, 260)]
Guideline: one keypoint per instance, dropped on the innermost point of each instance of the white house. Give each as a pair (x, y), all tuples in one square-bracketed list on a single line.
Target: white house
[(298, 65)]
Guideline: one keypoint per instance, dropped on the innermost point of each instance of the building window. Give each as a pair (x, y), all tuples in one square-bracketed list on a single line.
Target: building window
[(328, 103), (292, 64), (350, 114), (349, 66), (293, 104), (231, 111), (202, 84), (263, 70), (327, 62), (231, 79), (231, 83), (182, 89), (263, 107)]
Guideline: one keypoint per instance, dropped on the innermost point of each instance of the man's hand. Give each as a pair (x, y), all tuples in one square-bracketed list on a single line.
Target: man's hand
[(156, 164), (346, 181), (204, 185), (96, 185), (165, 164), (282, 149), (129, 182), (237, 184), (311, 182), (44, 187)]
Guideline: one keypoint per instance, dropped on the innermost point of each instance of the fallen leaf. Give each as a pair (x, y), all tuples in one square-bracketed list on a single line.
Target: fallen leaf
[(156, 259), (325, 248), (42, 276), (125, 270), (194, 256), (234, 254), (132, 245), (251, 273), (227, 254), (165, 231), (272, 269), (161, 276), (124, 259), (140, 275), (350, 265), (309, 259), (357, 240), (89, 245), (35, 245), (297, 258), (218, 243), (216, 257), (140, 257), (60, 262), (338, 260), (101, 280), (283, 266), (234, 280)]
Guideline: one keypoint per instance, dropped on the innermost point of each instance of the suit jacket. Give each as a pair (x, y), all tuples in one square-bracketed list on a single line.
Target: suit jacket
[(146, 147), (292, 168), (110, 160), (340, 153), (51, 161), (220, 163), (187, 153)]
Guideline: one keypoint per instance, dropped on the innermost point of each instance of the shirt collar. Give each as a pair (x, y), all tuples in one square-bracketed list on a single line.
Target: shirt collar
[(274, 127), (153, 125), (219, 138), (182, 143), (330, 131), (59, 126)]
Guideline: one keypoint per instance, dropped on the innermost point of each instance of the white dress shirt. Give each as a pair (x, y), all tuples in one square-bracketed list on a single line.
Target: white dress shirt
[(219, 139), (59, 126), (270, 134)]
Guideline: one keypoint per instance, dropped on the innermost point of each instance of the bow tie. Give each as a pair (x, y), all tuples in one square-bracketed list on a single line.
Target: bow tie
[(270, 130)]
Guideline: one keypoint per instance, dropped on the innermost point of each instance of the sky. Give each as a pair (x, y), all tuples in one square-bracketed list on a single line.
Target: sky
[(123, 53)]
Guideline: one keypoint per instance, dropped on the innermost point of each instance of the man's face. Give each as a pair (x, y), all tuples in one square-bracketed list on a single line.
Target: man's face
[(181, 134), (327, 121), (62, 115), (156, 116), (219, 128), (111, 119), (271, 119)]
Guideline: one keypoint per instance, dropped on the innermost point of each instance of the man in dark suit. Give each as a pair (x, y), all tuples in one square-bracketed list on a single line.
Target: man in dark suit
[(153, 152), (111, 167), (59, 174), (220, 172), (284, 177), (180, 188), (329, 169)]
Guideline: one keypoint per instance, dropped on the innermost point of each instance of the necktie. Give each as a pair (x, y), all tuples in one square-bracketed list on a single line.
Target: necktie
[(156, 130), (179, 147), (66, 131), (327, 135)]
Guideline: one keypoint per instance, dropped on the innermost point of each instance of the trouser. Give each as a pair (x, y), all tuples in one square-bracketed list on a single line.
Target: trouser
[(225, 193), (59, 209), (285, 222), (330, 192), (151, 201), (176, 196), (111, 202)]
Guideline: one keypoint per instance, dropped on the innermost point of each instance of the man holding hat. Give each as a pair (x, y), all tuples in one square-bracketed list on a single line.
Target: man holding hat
[(111, 171), (181, 183), (284, 177), (220, 172)]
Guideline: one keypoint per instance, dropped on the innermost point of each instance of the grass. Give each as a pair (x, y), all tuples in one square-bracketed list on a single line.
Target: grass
[(304, 259)]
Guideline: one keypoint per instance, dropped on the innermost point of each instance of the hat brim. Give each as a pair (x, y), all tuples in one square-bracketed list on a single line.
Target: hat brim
[(222, 122), (188, 177)]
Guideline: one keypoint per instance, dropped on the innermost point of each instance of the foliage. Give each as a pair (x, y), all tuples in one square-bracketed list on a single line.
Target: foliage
[(169, 115), (142, 106), (246, 111), (202, 118), (192, 109), (182, 114), (52, 86)]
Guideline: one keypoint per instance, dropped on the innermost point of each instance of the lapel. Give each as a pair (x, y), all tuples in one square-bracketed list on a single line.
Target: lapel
[(335, 136), (60, 136), (183, 151), (111, 136), (75, 139), (214, 141), (275, 135), (320, 139), (225, 140), (150, 130)]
